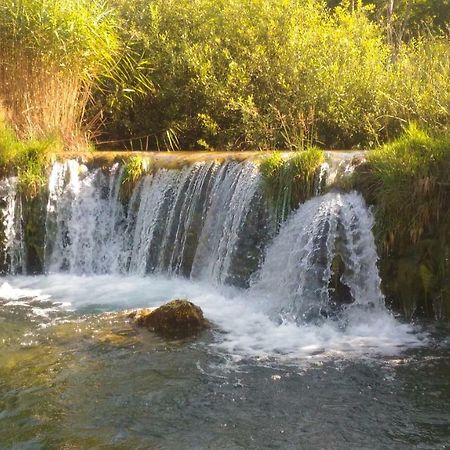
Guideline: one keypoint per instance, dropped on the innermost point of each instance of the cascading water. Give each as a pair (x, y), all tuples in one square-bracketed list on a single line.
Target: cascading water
[(84, 218), (184, 221), (299, 264), (13, 242), (205, 232), (231, 200), (194, 222)]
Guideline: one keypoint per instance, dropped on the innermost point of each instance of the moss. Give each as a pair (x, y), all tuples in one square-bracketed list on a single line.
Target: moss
[(408, 181), (176, 319), (290, 179)]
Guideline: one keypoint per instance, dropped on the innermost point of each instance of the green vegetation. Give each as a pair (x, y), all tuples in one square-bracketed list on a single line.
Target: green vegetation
[(290, 179), (28, 159), (52, 51), (235, 74), (409, 183), (134, 168), (267, 74)]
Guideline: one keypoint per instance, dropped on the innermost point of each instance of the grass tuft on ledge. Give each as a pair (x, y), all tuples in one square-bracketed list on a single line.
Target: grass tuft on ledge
[(27, 159), (290, 179)]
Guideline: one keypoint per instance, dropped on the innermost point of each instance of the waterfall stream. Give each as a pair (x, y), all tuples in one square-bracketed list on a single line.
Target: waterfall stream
[(197, 222), (185, 221), (11, 212), (205, 231), (298, 266)]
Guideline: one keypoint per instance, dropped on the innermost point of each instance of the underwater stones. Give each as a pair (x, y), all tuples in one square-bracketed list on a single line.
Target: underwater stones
[(176, 319), (125, 337)]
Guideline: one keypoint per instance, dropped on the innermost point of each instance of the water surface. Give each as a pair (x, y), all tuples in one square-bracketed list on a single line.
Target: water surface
[(73, 374)]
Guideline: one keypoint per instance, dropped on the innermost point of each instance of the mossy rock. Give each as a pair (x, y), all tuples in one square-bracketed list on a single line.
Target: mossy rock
[(174, 320)]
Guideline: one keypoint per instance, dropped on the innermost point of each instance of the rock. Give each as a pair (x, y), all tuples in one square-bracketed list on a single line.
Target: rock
[(339, 292), (176, 319)]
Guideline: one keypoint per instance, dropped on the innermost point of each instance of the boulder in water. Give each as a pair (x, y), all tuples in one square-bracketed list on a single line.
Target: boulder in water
[(176, 319)]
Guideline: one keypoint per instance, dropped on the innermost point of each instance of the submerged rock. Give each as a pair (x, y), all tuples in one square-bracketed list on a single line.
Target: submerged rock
[(176, 319)]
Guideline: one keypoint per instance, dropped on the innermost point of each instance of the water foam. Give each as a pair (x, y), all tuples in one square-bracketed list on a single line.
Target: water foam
[(242, 327)]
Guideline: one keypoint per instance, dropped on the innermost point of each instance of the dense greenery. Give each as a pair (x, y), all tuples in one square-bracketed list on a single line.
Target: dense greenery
[(290, 179), (234, 74), (272, 74), (51, 52), (409, 183)]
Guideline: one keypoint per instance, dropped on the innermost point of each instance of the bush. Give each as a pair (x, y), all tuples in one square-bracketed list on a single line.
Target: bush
[(268, 74)]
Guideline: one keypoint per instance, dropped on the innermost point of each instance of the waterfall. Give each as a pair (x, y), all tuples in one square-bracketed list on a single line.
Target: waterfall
[(84, 220), (231, 199), (185, 221), (206, 221), (13, 242), (298, 266)]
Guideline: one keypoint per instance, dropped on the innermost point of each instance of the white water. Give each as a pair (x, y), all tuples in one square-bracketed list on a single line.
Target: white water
[(175, 219), (297, 269), (102, 254), (13, 245), (243, 328)]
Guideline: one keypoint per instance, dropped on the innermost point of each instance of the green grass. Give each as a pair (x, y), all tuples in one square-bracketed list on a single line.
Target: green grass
[(290, 180), (408, 180), (134, 168), (28, 159)]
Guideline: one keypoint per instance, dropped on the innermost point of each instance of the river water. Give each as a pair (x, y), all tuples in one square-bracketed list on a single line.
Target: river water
[(75, 375), (285, 365)]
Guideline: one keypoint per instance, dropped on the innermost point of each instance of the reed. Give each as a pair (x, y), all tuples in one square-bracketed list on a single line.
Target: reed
[(51, 53)]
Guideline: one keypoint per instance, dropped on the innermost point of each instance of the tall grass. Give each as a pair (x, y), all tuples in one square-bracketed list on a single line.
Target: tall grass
[(51, 53)]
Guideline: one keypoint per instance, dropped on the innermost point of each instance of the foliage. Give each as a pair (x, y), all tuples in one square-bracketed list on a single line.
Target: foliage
[(268, 74), (51, 53), (290, 179), (410, 186), (419, 86)]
